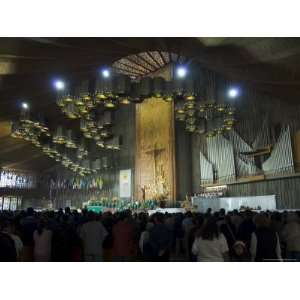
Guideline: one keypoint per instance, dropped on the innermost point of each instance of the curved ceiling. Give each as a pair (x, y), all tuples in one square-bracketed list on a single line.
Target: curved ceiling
[(27, 66)]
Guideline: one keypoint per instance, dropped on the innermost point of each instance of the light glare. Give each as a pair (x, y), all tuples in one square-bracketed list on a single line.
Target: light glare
[(181, 72), (59, 84), (25, 105), (233, 92), (105, 73)]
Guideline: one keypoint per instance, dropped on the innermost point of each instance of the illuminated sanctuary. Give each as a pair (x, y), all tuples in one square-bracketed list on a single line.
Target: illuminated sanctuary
[(156, 124)]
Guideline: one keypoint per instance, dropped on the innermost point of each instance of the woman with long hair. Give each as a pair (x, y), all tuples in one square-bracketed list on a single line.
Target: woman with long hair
[(210, 245)]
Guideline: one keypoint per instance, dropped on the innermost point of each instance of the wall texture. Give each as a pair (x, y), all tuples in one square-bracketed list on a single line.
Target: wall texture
[(287, 191)]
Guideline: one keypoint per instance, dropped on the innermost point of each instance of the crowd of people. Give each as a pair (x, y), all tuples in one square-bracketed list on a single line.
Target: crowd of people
[(66, 235)]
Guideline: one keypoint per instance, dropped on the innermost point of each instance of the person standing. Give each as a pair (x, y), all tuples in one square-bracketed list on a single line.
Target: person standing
[(123, 236), (264, 245), (160, 239), (291, 237), (42, 238), (211, 245), (8, 251), (9, 229), (93, 234)]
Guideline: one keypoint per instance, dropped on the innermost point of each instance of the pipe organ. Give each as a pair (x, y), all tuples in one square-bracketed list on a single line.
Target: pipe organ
[(281, 158), (206, 170), (220, 154), (226, 159)]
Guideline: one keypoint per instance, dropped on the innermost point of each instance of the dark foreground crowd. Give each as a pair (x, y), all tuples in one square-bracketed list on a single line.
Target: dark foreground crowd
[(67, 235)]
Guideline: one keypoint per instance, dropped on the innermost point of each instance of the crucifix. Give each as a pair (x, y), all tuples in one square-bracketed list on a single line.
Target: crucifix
[(155, 152)]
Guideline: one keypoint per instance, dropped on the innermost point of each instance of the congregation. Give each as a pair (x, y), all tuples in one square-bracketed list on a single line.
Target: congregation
[(126, 236)]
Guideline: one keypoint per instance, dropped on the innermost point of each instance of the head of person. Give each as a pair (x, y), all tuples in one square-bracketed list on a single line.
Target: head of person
[(235, 212), (158, 218), (210, 229), (216, 214), (5, 224), (276, 217), (30, 211), (261, 221), (222, 212), (248, 214), (188, 214), (92, 216), (200, 220), (239, 248), (67, 210)]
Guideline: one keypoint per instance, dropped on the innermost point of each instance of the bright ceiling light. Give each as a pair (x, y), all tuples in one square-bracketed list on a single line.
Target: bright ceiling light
[(233, 92), (105, 73), (25, 105), (59, 84), (181, 72)]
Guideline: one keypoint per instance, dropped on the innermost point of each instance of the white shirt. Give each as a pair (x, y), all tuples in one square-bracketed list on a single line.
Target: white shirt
[(210, 250), (93, 234)]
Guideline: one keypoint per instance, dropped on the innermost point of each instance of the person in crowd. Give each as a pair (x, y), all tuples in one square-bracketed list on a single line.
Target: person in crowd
[(211, 245), (62, 240), (236, 219), (28, 225), (9, 228), (198, 221), (123, 235), (208, 213), (187, 225), (67, 235), (42, 238), (246, 228), (290, 234), (144, 244), (178, 234), (265, 244), (228, 229), (160, 239), (8, 251), (108, 222), (240, 252), (93, 234)]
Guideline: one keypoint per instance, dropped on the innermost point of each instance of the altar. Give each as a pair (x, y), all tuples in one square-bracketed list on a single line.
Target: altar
[(265, 202), (170, 210)]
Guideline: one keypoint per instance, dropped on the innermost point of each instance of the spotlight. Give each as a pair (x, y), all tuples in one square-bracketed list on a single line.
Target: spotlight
[(181, 72), (25, 105), (105, 73), (59, 85), (233, 92)]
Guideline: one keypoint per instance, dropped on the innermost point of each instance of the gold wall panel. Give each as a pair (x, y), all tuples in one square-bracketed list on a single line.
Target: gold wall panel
[(155, 150)]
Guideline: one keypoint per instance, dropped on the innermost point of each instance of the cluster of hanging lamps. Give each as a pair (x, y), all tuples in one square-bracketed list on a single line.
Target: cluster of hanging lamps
[(30, 129)]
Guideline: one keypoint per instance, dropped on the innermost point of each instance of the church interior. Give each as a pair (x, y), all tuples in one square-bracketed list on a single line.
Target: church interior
[(142, 123), (150, 149)]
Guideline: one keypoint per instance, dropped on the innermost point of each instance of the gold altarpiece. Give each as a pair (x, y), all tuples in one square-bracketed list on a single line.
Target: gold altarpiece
[(155, 150)]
